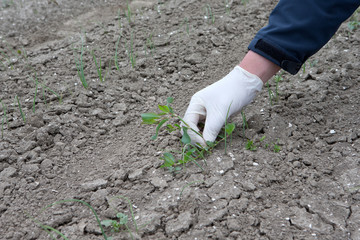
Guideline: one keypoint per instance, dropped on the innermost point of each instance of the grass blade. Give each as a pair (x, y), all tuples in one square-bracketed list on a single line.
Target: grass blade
[(20, 109)]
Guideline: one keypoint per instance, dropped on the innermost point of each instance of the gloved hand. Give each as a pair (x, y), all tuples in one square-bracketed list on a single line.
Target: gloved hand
[(235, 90)]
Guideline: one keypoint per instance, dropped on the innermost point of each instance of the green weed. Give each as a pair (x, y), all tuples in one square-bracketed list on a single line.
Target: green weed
[(228, 129), (80, 66), (149, 44), (244, 2), (227, 7), (98, 67), (271, 93), (20, 109), (123, 221), (116, 53), (250, 145), (189, 152), (128, 14), (354, 22), (209, 14)]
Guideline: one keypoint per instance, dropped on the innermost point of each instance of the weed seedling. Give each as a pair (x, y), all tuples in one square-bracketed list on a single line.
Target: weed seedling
[(80, 66), (277, 148), (189, 152), (20, 109), (227, 7), (209, 14), (128, 13), (98, 67), (250, 145), (116, 225), (244, 122), (116, 53), (123, 221), (229, 128), (271, 94), (149, 44), (244, 2), (131, 53)]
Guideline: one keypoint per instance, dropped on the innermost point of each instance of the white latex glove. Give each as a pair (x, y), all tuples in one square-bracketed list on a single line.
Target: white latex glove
[(235, 90)]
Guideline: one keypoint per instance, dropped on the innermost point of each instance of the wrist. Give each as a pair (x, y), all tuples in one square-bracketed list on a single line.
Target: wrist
[(259, 66)]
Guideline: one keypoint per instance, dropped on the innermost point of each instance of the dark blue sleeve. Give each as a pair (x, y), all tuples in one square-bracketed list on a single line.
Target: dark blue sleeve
[(297, 29)]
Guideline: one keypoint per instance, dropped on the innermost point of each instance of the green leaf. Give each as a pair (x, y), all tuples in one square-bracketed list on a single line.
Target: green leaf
[(185, 138), (169, 100), (123, 219), (150, 118), (164, 108), (169, 160), (158, 128), (229, 128), (107, 223), (210, 144)]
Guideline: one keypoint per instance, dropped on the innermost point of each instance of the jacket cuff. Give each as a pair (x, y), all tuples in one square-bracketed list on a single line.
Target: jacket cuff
[(275, 55)]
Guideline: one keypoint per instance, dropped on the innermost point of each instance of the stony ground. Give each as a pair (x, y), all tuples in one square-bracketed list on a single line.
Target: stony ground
[(89, 144)]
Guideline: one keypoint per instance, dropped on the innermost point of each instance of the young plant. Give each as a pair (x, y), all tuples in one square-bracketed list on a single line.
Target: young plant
[(209, 14), (149, 44), (116, 53), (128, 13), (244, 2), (80, 66), (227, 7), (20, 109), (250, 145), (277, 148), (116, 225), (123, 221), (271, 94), (244, 122), (229, 128), (189, 152), (98, 67), (186, 24)]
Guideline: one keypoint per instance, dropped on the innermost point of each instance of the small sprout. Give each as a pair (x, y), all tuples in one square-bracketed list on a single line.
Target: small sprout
[(271, 94), (209, 14), (250, 145), (262, 138), (116, 226), (80, 66), (116, 53), (277, 148), (98, 67), (189, 152)]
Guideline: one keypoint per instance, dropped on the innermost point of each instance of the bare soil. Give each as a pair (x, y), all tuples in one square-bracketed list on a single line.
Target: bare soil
[(89, 144)]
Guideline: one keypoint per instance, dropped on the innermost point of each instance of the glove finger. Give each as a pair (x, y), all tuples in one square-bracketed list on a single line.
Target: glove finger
[(213, 124)]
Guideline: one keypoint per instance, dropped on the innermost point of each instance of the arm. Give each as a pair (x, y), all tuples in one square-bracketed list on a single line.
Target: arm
[(297, 29)]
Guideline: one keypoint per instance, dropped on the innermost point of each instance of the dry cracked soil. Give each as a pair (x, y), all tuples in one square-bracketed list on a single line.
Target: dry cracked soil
[(61, 141)]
